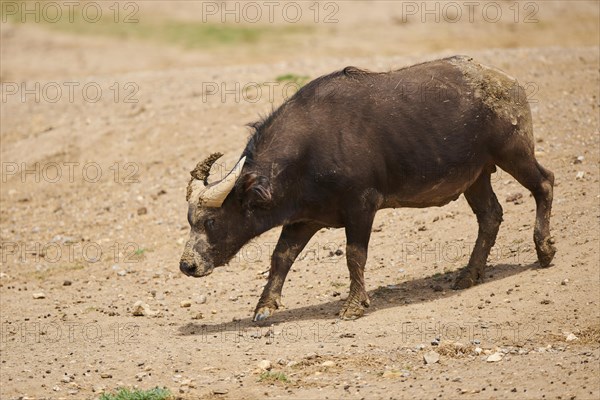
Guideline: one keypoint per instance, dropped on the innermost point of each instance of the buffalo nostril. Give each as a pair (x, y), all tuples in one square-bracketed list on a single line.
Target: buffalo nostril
[(186, 268)]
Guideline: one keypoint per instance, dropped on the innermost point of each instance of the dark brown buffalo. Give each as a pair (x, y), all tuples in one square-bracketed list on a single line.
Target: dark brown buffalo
[(354, 142)]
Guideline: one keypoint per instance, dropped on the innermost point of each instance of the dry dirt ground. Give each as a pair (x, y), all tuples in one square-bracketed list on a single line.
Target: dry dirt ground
[(93, 217)]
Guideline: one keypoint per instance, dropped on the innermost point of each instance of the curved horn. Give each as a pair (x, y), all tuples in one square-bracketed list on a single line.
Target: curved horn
[(200, 174), (214, 194), (202, 170)]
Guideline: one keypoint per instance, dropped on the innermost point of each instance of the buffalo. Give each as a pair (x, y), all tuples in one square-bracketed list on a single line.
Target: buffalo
[(353, 142)]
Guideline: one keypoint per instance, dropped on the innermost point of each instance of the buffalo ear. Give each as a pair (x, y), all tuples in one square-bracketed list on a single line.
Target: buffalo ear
[(256, 191)]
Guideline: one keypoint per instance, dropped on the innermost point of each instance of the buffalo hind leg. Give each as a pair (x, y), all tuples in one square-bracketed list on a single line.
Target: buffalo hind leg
[(358, 233), (486, 207), (292, 240), (540, 182)]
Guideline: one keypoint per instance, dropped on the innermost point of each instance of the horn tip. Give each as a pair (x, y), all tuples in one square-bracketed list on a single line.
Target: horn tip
[(202, 169)]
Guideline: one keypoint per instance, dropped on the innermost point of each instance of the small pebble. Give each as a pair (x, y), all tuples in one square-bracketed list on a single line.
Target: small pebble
[(265, 365), (98, 388), (497, 356), (39, 295), (198, 315), (571, 337), (516, 198), (142, 309), (431, 357)]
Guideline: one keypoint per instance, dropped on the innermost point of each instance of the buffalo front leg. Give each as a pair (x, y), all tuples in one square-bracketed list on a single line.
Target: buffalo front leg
[(292, 240), (486, 207), (357, 243)]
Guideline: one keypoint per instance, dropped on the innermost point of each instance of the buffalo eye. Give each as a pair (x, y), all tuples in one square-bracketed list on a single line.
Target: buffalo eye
[(209, 224)]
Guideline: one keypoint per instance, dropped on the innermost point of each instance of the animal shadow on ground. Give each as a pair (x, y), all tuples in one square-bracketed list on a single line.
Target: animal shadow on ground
[(393, 295)]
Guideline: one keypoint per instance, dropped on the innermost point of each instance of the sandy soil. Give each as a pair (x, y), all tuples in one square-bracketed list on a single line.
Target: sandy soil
[(100, 223)]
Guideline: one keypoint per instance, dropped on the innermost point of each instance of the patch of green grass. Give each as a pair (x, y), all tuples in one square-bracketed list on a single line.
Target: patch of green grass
[(300, 80), (197, 35), (50, 271), (270, 376), (140, 252), (190, 34), (126, 394)]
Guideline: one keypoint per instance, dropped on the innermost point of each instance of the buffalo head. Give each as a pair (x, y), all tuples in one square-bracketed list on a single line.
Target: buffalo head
[(220, 228)]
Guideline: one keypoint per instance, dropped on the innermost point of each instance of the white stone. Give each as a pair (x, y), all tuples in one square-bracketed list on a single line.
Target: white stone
[(265, 365), (142, 309), (497, 356), (571, 337), (431, 357)]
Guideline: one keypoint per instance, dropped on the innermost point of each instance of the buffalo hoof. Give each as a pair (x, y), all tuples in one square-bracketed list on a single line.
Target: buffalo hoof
[(545, 252), (354, 309), (263, 312), (467, 278)]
